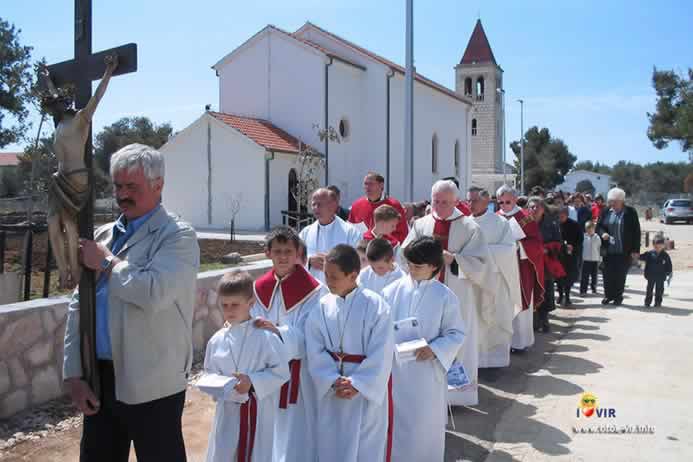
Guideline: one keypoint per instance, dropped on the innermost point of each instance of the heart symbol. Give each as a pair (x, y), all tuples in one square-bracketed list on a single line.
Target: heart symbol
[(588, 412)]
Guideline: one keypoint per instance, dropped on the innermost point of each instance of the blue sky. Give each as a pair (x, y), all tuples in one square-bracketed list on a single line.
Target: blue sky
[(583, 68)]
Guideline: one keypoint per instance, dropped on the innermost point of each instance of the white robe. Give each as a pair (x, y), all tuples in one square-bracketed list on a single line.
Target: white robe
[(419, 388), (523, 322), (294, 426), (368, 279), (356, 429), (496, 327), (263, 359), (473, 286), (323, 238)]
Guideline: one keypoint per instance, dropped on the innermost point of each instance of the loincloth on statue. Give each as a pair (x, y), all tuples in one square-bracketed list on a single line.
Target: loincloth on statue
[(70, 198)]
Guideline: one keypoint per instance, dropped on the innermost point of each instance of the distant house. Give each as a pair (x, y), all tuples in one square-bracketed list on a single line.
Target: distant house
[(9, 162), (601, 182)]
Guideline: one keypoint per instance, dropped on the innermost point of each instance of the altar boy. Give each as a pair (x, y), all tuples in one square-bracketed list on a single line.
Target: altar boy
[(349, 344), (423, 308), (382, 269), (243, 426), (285, 297)]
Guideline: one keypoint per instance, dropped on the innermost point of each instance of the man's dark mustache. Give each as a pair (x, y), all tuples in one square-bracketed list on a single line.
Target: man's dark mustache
[(122, 202)]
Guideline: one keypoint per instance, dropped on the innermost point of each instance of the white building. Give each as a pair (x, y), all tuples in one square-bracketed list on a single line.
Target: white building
[(288, 83), (601, 182)]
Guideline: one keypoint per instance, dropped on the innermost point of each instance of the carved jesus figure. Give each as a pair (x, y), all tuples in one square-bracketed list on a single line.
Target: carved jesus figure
[(69, 189)]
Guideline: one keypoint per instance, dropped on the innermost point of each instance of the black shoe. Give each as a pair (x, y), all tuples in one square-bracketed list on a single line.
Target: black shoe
[(594, 290), (545, 327), (658, 304), (647, 305), (618, 301), (606, 301), (518, 351), (583, 294), (567, 301)]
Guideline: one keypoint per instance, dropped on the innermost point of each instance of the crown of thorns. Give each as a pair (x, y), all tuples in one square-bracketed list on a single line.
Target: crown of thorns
[(62, 95)]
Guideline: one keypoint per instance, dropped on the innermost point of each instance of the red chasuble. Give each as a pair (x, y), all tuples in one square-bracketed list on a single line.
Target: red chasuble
[(532, 268), (441, 233), (295, 289), (369, 236), (464, 208), (362, 212)]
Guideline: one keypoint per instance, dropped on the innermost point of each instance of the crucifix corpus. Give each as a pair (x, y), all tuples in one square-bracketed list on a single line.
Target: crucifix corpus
[(71, 193)]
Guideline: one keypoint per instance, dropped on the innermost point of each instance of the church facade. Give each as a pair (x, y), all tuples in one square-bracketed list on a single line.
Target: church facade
[(285, 84)]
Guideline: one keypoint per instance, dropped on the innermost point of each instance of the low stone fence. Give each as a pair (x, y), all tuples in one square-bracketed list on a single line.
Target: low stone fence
[(32, 333)]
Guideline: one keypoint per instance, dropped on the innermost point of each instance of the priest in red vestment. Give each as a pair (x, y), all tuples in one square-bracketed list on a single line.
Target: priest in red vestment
[(362, 210), (531, 261)]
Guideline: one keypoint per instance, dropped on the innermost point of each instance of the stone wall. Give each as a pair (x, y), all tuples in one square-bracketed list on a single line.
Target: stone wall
[(31, 342)]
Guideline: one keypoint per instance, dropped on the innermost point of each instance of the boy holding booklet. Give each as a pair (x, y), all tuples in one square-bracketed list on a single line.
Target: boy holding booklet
[(429, 331), (245, 367)]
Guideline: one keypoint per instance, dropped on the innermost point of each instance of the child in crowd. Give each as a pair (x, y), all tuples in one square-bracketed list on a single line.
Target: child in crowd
[(243, 426), (423, 308), (591, 252), (657, 269), (285, 297), (349, 344), (382, 269), (385, 219), (361, 248)]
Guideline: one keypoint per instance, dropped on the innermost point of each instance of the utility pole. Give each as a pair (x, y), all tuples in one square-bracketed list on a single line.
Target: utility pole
[(409, 103), (522, 146), (505, 173)]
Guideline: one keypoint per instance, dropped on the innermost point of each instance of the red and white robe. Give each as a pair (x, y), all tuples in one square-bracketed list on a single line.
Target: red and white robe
[(287, 303)]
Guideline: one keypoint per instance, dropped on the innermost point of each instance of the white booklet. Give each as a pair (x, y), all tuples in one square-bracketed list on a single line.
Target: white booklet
[(406, 351), (221, 388)]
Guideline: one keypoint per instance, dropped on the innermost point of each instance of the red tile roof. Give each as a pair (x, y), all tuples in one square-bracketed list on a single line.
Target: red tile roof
[(396, 67), (9, 159), (478, 49), (261, 132)]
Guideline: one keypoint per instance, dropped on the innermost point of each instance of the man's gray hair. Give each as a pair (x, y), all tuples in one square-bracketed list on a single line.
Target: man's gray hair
[(442, 186), (506, 189), (134, 156), (616, 194), (483, 193)]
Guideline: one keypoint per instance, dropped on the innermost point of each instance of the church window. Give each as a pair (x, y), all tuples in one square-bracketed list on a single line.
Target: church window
[(457, 158), (468, 86), (473, 127), (344, 128), (434, 154), (480, 89)]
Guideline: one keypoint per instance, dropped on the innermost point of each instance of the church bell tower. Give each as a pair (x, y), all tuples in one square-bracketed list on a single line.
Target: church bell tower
[(480, 78)]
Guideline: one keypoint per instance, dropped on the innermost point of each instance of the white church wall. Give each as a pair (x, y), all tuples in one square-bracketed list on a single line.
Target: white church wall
[(243, 81), (238, 172), (601, 182), (185, 190)]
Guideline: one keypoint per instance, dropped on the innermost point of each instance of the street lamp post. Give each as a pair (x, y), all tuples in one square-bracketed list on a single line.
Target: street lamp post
[(409, 102), (505, 174), (522, 146)]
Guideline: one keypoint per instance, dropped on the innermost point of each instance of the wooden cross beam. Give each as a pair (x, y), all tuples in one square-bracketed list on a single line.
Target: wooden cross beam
[(80, 72)]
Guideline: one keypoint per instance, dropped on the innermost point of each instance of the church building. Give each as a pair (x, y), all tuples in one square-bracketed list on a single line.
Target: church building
[(278, 86)]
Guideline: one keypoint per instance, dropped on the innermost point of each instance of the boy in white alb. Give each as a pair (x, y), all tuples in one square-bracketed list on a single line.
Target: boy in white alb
[(349, 344), (423, 308), (385, 221), (591, 254), (382, 269), (243, 426), (285, 297)]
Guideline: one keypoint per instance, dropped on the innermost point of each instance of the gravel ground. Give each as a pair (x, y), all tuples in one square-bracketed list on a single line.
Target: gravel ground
[(51, 418)]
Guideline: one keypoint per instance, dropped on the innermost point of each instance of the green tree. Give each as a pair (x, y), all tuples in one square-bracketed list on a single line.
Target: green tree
[(547, 159), (595, 167), (15, 84), (126, 131), (673, 119), (585, 186)]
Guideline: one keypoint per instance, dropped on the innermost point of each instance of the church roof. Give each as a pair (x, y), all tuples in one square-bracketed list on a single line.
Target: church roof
[(9, 159), (261, 132), (392, 65), (478, 49)]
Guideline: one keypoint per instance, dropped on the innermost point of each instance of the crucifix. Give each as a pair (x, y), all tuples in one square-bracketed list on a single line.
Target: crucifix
[(73, 143)]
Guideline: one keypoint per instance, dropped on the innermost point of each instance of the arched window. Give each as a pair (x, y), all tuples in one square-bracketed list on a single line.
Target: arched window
[(344, 129), (480, 88), (457, 158), (473, 127), (434, 154), (468, 86)]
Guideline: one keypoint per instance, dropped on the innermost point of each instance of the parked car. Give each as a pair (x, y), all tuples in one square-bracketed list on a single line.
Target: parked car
[(677, 210)]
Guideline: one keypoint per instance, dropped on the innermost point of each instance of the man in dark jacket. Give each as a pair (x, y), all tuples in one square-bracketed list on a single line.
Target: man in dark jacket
[(570, 255), (619, 228)]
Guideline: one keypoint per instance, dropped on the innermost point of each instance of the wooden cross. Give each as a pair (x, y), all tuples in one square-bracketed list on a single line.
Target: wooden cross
[(80, 72)]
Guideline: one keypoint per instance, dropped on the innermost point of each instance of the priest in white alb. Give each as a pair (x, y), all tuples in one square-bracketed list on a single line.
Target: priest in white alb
[(468, 273), (326, 232), (496, 323)]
